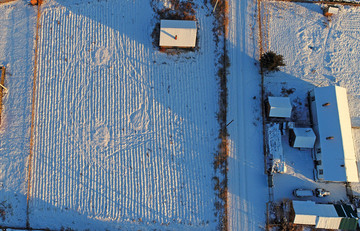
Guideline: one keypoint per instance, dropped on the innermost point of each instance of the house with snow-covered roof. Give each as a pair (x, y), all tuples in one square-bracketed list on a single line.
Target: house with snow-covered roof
[(177, 33), (324, 216), (334, 149)]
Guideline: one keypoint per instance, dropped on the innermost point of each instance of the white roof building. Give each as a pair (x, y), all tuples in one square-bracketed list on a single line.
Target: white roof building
[(324, 216), (303, 138), (307, 212), (279, 107), (333, 10), (331, 119), (177, 33)]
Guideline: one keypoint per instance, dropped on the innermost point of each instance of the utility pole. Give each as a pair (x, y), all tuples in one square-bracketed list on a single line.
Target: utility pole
[(4, 87), (215, 5)]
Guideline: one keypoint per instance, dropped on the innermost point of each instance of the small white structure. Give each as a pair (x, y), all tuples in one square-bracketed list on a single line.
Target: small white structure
[(334, 148), (279, 107), (177, 33), (302, 137), (331, 10)]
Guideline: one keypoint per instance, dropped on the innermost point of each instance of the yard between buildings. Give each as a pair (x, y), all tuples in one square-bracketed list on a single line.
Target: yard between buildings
[(318, 52)]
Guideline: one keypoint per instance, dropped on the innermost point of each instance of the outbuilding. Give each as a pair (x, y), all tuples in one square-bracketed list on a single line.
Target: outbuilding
[(279, 107), (302, 137), (331, 10), (334, 147), (177, 33), (324, 216)]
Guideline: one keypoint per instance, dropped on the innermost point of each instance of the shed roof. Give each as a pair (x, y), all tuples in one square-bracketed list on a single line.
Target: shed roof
[(333, 9), (335, 137), (280, 107), (328, 222), (177, 33), (324, 216), (308, 213), (311, 208), (305, 138)]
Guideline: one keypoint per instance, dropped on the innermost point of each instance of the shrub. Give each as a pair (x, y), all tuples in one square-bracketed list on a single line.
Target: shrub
[(271, 61)]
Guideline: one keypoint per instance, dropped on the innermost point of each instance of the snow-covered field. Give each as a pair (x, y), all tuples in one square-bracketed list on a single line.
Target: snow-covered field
[(317, 52), (125, 136), (16, 54)]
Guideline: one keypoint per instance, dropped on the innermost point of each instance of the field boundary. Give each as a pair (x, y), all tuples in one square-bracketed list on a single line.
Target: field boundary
[(6, 1), (321, 2), (32, 127), (2, 81)]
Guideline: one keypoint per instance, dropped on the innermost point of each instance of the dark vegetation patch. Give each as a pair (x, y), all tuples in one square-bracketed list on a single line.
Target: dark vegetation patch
[(5, 208), (270, 61), (220, 31), (221, 14)]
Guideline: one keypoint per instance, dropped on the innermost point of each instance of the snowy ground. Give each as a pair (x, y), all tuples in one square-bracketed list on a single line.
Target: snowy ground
[(16, 54), (247, 181), (125, 136), (317, 52)]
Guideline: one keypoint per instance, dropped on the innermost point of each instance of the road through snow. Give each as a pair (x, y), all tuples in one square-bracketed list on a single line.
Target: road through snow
[(247, 181)]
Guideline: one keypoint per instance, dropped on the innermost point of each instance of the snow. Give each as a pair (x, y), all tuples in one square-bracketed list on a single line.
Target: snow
[(328, 223), (311, 208), (274, 145), (333, 120), (317, 52), (304, 138), (121, 142), (125, 135), (322, 215), (247, 181), (177, 33), (280, 107), (333, 10), (16, 54)]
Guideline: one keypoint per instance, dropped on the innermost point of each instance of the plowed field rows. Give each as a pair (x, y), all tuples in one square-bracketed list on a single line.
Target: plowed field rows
[(124, 134)]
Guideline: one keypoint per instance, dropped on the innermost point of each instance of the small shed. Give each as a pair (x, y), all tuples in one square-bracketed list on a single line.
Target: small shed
[(302, 137), (177, 33), (279, 107), (331, 10)]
